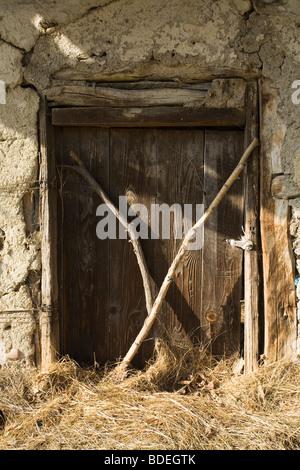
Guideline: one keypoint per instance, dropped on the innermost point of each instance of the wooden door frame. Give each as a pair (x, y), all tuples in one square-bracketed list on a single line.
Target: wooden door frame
[(48, 316), (252, 272), (144, 116)]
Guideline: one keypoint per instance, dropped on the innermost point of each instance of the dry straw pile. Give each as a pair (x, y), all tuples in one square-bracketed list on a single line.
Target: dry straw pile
[(183, 400)]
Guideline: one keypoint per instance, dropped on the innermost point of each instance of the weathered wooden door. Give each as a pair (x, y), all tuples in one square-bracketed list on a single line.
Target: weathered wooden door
[(102, 305)]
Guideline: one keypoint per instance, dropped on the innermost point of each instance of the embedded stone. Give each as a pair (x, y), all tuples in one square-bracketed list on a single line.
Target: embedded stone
[(13, 355)]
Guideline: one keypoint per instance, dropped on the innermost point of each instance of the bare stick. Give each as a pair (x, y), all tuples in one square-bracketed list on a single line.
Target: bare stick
[(184, 246), (135, 242)]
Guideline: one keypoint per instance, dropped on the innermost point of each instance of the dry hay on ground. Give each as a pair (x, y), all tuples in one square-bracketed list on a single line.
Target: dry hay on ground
[(183, 400)]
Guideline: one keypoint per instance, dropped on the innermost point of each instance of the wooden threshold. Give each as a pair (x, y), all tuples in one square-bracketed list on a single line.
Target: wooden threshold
[(148, 117)]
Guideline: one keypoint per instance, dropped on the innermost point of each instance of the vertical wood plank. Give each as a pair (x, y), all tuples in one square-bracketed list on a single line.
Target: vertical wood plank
[(251, 258), (192, 187), (132, 174), (168, 192), (100, 326), (84, 284), (180, 181), (49, 288), (222, 263), (280, 326)]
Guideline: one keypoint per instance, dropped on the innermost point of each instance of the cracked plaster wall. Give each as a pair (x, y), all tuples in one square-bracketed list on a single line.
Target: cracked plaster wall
[(45, 44)]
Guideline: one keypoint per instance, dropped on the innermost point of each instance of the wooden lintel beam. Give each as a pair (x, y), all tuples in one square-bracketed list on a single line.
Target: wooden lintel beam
[(148, 117)]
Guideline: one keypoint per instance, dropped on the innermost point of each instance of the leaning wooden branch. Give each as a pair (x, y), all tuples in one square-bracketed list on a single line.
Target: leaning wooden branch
[(184, 246), (135, 242)]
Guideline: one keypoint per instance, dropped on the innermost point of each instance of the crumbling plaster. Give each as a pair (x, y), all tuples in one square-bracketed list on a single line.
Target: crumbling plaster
[(49, 43)]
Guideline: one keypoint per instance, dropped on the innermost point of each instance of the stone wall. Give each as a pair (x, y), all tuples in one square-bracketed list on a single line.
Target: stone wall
[(49, 44)]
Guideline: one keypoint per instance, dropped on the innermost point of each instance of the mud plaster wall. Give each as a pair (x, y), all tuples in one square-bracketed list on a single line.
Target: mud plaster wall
[(53, 43)]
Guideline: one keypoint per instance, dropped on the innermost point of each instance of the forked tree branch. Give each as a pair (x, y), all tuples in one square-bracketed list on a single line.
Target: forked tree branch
[(184, 246)]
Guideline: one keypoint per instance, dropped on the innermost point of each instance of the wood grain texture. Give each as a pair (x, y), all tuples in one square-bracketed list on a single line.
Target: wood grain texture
[(180, 181), (280, 309), (132, 174), (112, 96), (84, 268), (253, 311), (222, 264), (101, 295), (167, 116), (49, 334), (177, 260)]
